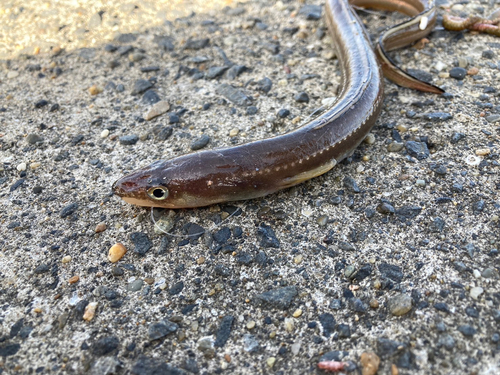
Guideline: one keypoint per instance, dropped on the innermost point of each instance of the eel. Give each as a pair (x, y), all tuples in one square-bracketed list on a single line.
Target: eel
[(265, 166)]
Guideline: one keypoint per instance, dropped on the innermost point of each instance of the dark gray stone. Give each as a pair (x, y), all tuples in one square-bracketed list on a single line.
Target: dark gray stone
[(458, 73), (42, 268), (105, 345), (68, 210), (408, 212), (33, 139), (391, 271), (7, 350), (200, 142), (176, 288), (267, 236), (417, 149), (301, 97), (264, 85), (140, 86), (467, 330), (196, 44), (216, 71), (437, 116), (128, 140), (235, 71), (161, 329), (150, 97), (150, 366), (141, 242), (328, 323), (224, 331), (277, 298), (234, 95), (351, 185)]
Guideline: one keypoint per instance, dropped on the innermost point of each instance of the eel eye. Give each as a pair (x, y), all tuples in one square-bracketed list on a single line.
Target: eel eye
[(158, 193)]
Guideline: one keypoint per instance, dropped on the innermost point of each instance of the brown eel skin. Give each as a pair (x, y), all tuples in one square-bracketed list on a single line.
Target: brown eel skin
[(263, 167)]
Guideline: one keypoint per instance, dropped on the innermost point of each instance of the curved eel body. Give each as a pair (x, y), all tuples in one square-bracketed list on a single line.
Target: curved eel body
[(263, 167)]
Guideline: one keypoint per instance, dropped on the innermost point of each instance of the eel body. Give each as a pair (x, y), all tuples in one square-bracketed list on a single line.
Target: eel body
[(263, 167)]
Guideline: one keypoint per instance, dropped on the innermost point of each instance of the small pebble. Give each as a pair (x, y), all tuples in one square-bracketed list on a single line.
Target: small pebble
[(400, 305), (369, 139), (33, 139), (157, 110), (458, 73), (73, 280), (439, 65), (200, 142), (298, 259), (489, 273), (301, 97), (370, 363), (271, 361), (234, 132), (128, 140), (66, 259), (135, 285), (105, 133), (90, 310), (101, 227), (251, 324), (116, 252), (95, 90), (283, 113), (21, 167), (395, 146), (472, 71), (493, 118), (296, 347), (476, 292), (488, 54), (483, 151), (297, 313), (322, 220), (140, 86), (289, 326)]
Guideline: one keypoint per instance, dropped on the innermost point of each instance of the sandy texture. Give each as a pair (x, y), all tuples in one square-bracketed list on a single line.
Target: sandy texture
[(393, 252)]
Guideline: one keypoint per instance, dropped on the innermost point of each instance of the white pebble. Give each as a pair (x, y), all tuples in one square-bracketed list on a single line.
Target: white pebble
[(105, 133), (21, 167), (473, 160), (296, 347), (476, 292), (477, 274), (307, 212), (370, 139), (439, 66)]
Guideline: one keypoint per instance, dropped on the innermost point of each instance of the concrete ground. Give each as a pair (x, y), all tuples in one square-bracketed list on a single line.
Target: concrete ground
[(392, 256)]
